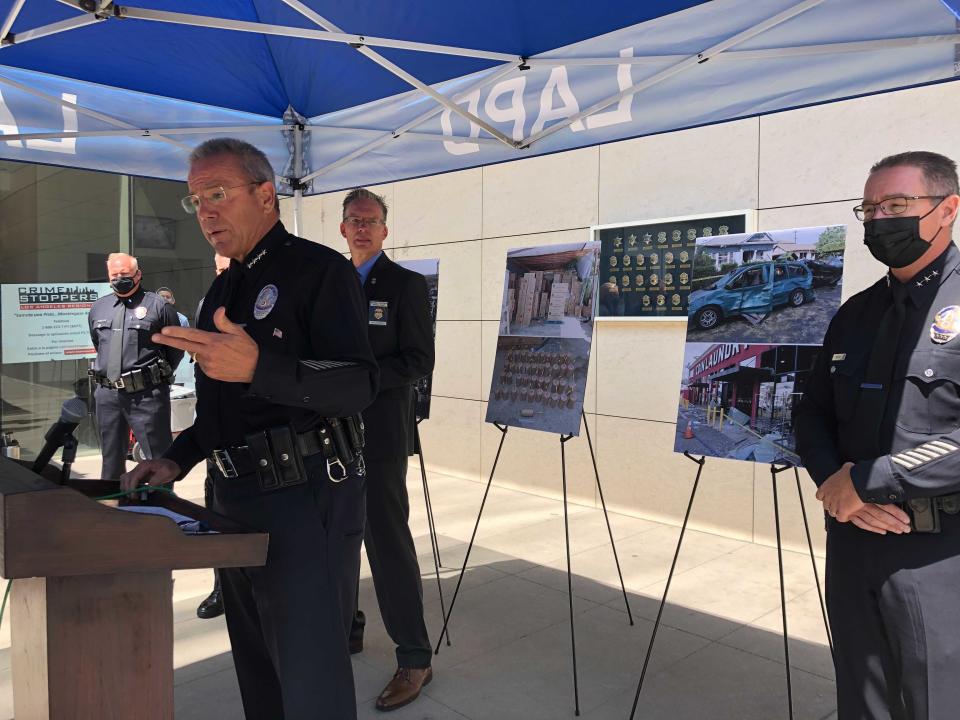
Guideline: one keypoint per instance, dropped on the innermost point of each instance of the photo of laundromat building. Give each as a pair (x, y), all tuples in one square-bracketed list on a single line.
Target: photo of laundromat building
[(736, 400)]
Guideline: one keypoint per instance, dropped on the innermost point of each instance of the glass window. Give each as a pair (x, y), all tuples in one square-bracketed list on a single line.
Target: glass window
[(59, 225)]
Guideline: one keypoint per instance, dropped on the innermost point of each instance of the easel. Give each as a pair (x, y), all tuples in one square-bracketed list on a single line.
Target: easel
[(776, 468), (566, 528), (434, 545)]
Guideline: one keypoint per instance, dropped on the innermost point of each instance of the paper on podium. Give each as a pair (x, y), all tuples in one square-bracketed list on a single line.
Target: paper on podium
[(188, 525)]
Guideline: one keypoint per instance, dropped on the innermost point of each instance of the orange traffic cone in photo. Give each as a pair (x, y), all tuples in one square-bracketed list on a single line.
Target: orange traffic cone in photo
[(688, 433)]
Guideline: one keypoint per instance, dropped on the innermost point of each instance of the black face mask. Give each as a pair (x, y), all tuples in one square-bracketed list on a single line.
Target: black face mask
[(896, 241), (123, 285)]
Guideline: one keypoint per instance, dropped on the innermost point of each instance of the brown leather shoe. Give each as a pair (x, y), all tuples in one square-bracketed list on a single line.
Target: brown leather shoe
[(404, 688)]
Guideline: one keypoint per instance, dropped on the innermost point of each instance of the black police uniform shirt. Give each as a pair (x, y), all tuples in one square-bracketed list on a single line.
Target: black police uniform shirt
[(301, 303), (147, 313), (920, 431)]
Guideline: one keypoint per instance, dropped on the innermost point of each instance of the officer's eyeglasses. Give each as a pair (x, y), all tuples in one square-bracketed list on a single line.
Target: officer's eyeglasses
[(890, 206), (363, 222), (211, 196)]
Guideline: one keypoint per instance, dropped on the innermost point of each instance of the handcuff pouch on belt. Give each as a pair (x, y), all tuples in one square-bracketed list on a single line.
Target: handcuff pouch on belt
[(278, 458), (926, 511)]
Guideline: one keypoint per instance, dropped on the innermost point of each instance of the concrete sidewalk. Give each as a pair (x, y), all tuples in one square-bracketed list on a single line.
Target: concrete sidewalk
[(719, 652)]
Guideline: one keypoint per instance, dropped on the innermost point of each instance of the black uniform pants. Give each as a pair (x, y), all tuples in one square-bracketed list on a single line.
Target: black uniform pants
[(393, 561), (288, 620), (208, 503), (894, 602), (147, 413)]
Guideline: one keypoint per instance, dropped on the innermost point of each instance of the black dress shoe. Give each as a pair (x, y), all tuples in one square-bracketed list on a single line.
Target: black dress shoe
[(211, 607)]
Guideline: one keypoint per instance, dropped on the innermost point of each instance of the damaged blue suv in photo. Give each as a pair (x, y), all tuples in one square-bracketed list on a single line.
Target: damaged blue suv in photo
[(756, 288)]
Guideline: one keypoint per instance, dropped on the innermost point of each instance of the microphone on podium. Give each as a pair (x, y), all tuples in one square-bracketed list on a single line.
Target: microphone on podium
[(72, 413)]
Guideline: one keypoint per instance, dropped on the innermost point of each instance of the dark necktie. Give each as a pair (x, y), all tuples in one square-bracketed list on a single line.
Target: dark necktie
[(115, 360), (875, 388)]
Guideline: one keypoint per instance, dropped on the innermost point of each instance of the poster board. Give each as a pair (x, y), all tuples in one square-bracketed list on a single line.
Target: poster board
[(546, 331), (47, 321), (646, 266), (757, 315)]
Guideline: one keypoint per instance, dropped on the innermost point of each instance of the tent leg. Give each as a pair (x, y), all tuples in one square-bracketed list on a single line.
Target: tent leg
[(297, 209)]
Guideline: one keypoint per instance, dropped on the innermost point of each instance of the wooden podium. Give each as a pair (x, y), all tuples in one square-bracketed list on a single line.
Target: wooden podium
[(91, 605)]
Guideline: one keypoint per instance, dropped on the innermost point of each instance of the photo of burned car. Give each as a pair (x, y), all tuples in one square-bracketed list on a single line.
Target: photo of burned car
[(771, 286), (753, 288)]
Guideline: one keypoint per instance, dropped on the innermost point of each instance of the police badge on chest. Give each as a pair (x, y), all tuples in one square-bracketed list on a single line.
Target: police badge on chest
[(378, 312)]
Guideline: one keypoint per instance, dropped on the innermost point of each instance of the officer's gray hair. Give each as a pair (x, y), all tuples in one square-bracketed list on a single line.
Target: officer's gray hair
[(939, 171), (253, 161), (120, 256), (364, 194)]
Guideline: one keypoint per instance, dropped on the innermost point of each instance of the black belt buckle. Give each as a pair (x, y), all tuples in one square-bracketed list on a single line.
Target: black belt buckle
[(224, 463)]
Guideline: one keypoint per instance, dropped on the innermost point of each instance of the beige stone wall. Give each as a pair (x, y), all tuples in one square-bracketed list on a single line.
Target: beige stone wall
[(798, 168)]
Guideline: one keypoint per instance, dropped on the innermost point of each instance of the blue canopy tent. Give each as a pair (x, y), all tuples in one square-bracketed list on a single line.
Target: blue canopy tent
[(345, 94)]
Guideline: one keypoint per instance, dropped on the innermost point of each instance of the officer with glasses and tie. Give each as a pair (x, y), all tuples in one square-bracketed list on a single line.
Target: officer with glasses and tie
[(401, 335), (878, 429)]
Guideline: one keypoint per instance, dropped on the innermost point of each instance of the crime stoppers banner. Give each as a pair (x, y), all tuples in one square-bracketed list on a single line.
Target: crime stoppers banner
[(47, 321)]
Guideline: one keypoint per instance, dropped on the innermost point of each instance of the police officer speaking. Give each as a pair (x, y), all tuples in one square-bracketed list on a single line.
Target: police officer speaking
[(132, 373), (284, 365), (879, 431), (401, 334)]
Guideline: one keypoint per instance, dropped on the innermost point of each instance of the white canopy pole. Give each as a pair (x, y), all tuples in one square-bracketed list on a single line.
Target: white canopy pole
[(83, 111), (11, 18), (47, 30), (686, 64), (403, 129), (142, 132), (407, 77), (298, 174), (125, 11)]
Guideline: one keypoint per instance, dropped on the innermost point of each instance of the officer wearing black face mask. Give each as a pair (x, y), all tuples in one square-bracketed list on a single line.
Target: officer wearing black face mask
[(131, 373), (879, 431)]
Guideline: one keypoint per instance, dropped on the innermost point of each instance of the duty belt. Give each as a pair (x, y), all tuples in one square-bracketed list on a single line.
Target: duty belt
[(276, 455), (132, 381), (925, 512)]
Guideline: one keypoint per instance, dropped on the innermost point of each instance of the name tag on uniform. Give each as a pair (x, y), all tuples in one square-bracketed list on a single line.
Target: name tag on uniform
[(838, 357), (378, 312)]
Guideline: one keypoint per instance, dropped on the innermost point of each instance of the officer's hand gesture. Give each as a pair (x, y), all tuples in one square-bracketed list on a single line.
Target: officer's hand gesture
[(150, 472), (229, 355)]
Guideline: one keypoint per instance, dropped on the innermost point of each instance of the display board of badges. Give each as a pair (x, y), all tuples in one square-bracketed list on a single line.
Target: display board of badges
[(646, 267)]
